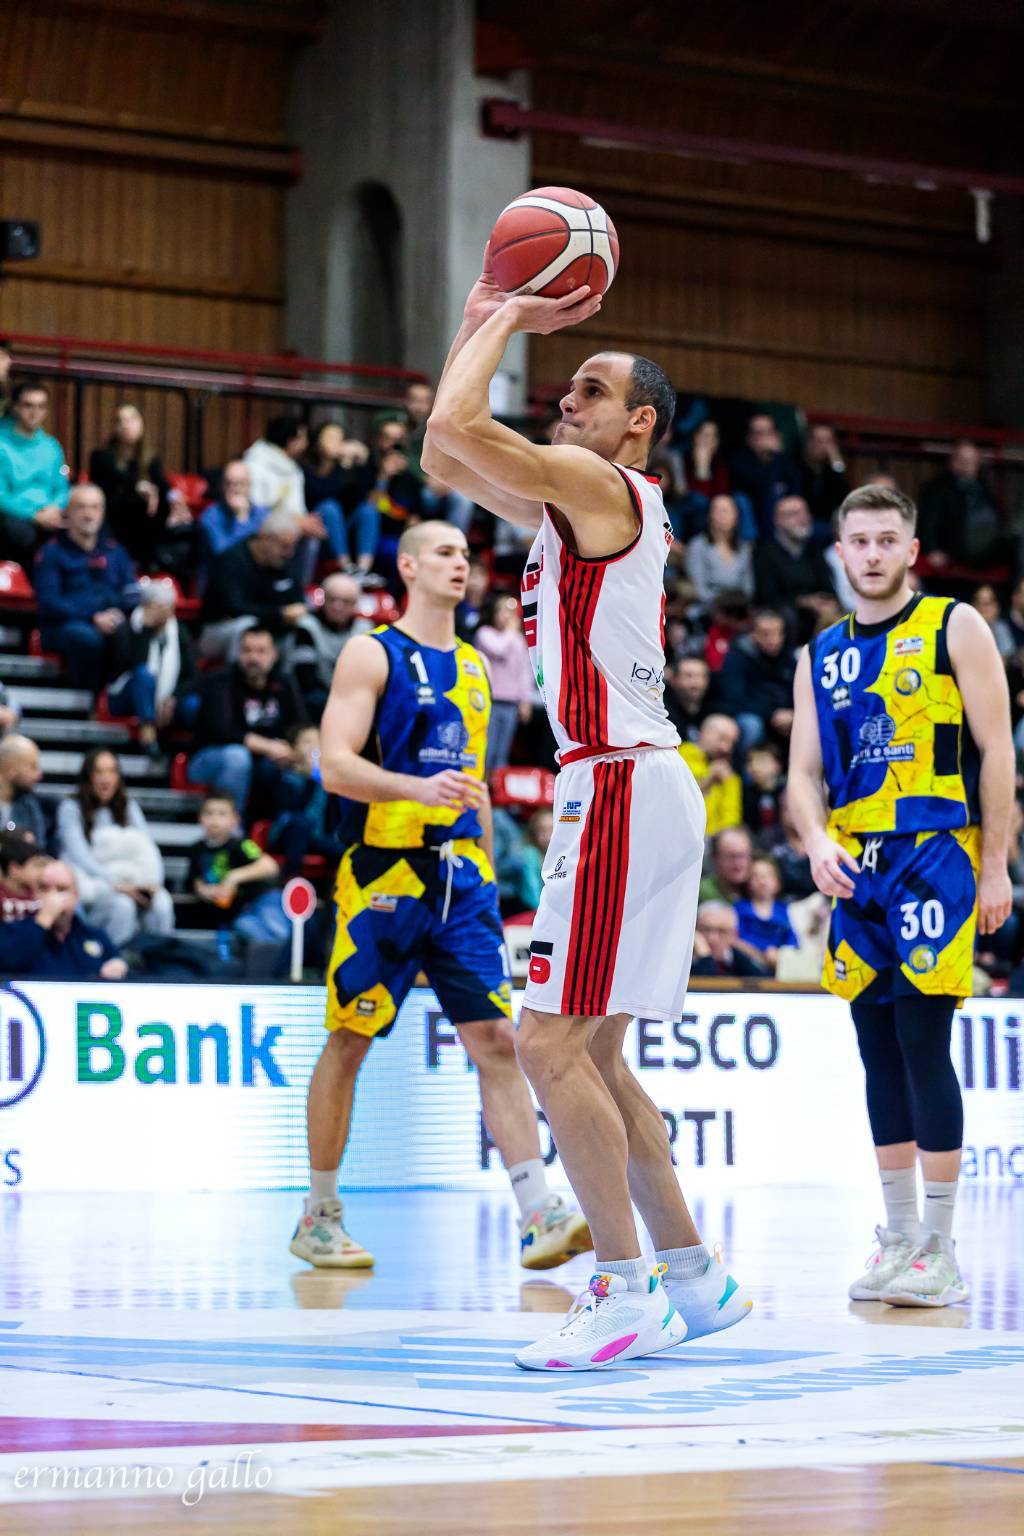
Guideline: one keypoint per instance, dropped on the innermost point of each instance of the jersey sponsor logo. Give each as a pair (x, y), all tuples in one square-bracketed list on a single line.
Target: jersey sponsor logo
[(471, 669), (876, 734), (908, 681), (922, 958), (531, 575), (379, 902), (650, 679), (572, 811), (908, 645), (477, 699)]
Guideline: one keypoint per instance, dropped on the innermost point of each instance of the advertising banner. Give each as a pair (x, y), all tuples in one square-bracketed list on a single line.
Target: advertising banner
[(144, 1087)]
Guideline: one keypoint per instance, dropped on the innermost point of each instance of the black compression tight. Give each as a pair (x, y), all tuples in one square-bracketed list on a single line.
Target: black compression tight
[(912, 1090)]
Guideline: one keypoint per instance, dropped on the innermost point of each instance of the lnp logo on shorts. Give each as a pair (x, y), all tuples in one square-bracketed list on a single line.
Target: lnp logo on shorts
[(366, 1007), (922, 958), (909, 645), (560, 872), (908, 681), (381, 903), (875, 736), (571, 811)]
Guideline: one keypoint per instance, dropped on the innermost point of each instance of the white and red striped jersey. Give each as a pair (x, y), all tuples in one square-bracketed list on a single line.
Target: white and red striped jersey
[(596, 632)]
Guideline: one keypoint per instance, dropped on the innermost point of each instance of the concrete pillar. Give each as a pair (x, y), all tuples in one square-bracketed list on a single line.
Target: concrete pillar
[(388, 98)]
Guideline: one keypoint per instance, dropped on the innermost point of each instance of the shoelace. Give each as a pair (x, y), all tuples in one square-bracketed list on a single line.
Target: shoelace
[(452, 862)]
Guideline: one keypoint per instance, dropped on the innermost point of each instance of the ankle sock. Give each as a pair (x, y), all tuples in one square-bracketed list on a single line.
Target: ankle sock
[(323, 1185), (529, 1184), (899, 1191), (684, 1264), (635, 1272), (939, 1201)]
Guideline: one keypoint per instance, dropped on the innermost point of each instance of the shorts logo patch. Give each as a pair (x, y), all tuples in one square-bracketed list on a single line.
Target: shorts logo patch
[(366, 1007), (840, 969), (908, 681), (560, 872), (922, 958), (381, 903), (571, 811), (909, 645)]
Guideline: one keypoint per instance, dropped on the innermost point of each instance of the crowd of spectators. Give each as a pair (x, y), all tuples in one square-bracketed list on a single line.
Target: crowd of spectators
[(285, 560)]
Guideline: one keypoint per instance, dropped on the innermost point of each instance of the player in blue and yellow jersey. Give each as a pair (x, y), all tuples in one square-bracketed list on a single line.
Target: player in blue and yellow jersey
[(901, 783), (403, 740)]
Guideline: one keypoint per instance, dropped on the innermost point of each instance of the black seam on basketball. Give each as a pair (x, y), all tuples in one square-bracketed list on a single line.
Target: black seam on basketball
[(537, 234)]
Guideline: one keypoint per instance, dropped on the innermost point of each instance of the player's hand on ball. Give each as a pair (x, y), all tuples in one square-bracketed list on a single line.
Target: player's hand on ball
[(543, 316), (829, 865), (486, 295), (995, 899), (452, 788)]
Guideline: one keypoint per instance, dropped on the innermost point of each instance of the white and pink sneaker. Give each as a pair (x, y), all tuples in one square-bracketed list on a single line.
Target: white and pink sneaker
[(607, 1325), (891, 1254)]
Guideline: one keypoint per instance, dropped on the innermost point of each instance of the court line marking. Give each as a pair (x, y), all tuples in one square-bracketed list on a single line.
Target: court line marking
[(979, 1466)]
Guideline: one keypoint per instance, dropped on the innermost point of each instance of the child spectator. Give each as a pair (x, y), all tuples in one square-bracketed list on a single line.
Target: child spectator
[(710, 762), (763, 921), (301, 805), (763, 787), (234, 875), (503, 643)]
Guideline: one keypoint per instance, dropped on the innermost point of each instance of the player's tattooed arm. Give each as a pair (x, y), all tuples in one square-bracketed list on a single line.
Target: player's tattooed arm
[(831, 865), (981, 678)]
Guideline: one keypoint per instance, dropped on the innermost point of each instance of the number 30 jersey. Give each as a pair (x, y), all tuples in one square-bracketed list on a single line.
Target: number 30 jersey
[(897, 752)]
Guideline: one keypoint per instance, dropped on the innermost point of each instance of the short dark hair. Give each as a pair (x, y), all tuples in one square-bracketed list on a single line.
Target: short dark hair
[(18, 847), (257, 629), (280, 430), (223, 795), (29, 387), (650, 385), (878, 498)]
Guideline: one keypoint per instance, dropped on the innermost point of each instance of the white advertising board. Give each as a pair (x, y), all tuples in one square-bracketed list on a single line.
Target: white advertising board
[(146, 1087)]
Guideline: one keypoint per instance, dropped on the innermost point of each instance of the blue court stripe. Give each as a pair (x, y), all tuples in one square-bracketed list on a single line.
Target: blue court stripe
[(308, 1362), (10, 1325), (979, 1466), (228, 1353), (477, 1349)]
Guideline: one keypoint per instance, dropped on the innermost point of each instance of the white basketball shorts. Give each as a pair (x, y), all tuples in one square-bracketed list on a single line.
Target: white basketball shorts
[(614, 929)]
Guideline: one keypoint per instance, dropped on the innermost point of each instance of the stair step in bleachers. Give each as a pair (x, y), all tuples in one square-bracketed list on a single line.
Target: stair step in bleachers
[(174, 834), (55, 701), (133, 765), (31, 668), (176, 871), (162, 804), (9, 636), (90, 733)]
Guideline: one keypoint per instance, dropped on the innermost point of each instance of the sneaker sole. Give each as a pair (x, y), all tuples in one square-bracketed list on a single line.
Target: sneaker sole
[(577, 1240), (861, 1293), (361, 1260), (727, 1318), (950, 1297), (676, 1331)]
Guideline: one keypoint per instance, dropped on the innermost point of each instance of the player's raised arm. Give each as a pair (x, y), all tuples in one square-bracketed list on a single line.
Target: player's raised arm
[(805, 792), (981, 678)]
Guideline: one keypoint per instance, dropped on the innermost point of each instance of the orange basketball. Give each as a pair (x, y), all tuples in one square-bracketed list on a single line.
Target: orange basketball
[(553, 240)]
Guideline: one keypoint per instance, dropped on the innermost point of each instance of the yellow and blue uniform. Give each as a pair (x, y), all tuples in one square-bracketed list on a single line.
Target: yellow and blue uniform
[(415, 889), (902, 771)]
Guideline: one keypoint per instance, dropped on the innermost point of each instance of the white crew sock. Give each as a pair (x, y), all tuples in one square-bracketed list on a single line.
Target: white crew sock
[(684, 1265), (939, 1200), (529, 1185), (323, 1185), (899, 1191), (635, 1272)]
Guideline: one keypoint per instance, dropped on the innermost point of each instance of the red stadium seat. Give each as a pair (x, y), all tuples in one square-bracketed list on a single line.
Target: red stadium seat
[(260, 832), (194, 488), (16, 592), (179, 773), (527, 788), (35, 648), (378, 607)]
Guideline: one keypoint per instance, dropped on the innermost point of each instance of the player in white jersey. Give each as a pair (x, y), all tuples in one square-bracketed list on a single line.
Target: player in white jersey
[(613, 933)]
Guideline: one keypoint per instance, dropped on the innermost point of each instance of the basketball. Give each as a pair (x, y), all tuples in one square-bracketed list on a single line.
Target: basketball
[(553, 240)]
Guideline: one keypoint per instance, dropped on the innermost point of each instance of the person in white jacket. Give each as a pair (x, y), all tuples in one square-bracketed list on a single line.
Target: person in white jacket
[(277, 482)]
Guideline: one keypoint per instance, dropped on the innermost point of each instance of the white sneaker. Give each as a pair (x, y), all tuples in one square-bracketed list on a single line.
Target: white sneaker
[(553, 1235), (711, 1301), (607, 1325), (893, 1250), (321, 1239), (932, 1277)]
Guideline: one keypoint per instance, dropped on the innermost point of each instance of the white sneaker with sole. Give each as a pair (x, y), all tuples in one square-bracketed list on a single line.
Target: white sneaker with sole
[(711, 1301), (932, 1278), (553, 1235), (320, 1238), (607, 1325), (892, 1251)]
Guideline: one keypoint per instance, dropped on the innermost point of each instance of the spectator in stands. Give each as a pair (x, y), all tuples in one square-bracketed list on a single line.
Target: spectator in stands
[(987, 604), (717, 948), (791, 861), (256, 581), (22, 861), (233, 874), (329, 470), (447, 506), (143, 512), (320, 636), (470, 612), (731, 855), (710, 762), (707, 473), (233, 518), (824, 481), (503, 643), (418, 402), (791, 573), (719, 560), (10, 712), (762, 472), (33, 475), (301, 807), (20, 806), (154, 664), (388, 488), (84, 583), (54, 944), (763, 788), (957, 520), (1015, 615), (5, 377), (756, 680), (278, 483), (519, 857), (687, 695), (103, 835), (845, 595), (762, 917), (246, 711)]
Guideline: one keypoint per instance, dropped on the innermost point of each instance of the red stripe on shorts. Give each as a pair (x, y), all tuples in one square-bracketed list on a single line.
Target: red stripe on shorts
[(600, 893)]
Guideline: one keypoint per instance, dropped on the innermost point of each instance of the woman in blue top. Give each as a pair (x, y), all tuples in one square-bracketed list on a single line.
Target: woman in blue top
[(764, 919)]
